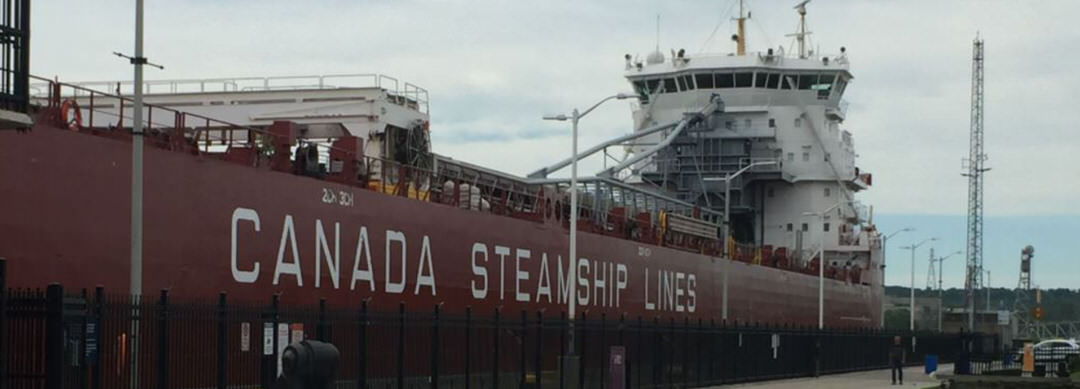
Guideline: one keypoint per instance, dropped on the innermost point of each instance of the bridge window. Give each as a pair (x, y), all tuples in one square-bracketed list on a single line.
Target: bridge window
[(725, 80), (823, 86), (704, 80), (807, 80), (760, 79), (653, 86), (773, 81), (788, 81), (841, 83), (744, 80), (669, 85), (825, 227)]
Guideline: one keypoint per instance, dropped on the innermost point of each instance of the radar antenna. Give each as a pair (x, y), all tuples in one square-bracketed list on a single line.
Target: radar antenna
[(801, 34)]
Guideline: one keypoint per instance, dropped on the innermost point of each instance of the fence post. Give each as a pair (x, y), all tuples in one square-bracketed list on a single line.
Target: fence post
[(562, 348), (269, 365), (222, 342), (99, 308), (163, 340), (468, 346), (603, 348), (54, 336), (3, 323), (539, 347), (700, 333), (495, 361), (401, 346), (584, 351), (524, 322), (320, 329), (435, 350), (361, 375)]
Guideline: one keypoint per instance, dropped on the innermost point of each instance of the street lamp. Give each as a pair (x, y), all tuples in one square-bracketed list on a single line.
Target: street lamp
[(884, 252), (727, 227), (574, 117), (913, 248), (939, 289), (821, 265)]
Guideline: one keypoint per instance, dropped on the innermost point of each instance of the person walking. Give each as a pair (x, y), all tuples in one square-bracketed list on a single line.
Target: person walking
[(896, 360)]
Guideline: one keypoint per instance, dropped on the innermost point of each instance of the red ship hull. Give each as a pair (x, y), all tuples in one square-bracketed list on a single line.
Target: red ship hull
[(214, 226)]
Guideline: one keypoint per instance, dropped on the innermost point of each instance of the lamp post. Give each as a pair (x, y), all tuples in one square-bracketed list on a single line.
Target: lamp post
[(941, 305), (884, 252), (912, 289), (821, 264), (574, 117), (727, 228)]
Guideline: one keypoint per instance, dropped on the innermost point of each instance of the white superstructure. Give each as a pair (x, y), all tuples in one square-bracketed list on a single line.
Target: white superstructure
[(779, 105)]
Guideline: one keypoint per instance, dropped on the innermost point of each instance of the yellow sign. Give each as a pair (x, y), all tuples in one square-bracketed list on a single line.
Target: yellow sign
[(1029, 358)]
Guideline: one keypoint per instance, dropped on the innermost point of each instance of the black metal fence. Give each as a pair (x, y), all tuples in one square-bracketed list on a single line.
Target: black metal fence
[(51, 339)]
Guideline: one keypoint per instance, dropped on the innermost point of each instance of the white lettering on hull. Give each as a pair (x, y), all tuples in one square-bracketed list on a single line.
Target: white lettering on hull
[(597, 283)]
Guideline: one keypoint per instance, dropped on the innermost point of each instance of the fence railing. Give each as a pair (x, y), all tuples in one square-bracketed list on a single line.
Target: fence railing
[(54, 339)]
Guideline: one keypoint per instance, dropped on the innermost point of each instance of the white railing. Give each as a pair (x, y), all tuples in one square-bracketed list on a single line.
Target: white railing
[(393, 86)]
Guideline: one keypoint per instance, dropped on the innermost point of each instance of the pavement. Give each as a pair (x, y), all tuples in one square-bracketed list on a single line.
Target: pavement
[(913, 378)]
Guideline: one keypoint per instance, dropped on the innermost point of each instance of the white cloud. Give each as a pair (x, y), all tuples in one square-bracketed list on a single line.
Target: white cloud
[(493, 68)]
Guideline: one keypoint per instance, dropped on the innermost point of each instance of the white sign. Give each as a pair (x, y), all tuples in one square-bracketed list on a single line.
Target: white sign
[(282, 342), (268, 338), (245, 336), (1003, 318), (297, 332)]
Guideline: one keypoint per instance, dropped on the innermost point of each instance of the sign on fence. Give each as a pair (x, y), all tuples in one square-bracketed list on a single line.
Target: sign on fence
[(618, 367), (268, 338), (245, 336), (282, 342), (297, 330)]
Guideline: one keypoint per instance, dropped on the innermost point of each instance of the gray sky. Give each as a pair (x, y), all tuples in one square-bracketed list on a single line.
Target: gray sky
[(494, 67)]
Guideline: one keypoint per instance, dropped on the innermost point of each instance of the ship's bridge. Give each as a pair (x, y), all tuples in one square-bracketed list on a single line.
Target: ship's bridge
[(826, 76)]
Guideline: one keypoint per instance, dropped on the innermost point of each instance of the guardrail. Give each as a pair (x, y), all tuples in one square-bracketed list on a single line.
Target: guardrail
[(393, 86)]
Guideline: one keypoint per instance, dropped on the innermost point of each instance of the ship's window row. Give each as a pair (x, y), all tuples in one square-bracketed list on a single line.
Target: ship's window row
[(823, 83)]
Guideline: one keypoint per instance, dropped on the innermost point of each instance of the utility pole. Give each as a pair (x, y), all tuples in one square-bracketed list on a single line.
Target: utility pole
[(931, 276), (135, 281), (975, 169)]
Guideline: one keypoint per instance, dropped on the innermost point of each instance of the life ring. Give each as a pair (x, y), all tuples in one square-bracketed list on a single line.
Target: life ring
[(73, 124)]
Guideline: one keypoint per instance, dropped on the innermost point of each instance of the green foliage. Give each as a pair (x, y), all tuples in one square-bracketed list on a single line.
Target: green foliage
[(898, 319), (1057, 304)]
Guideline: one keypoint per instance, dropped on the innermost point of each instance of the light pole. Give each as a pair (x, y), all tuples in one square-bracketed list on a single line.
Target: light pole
[(574, 117), (913, 248), (821, 265), (941, 305), (727, 228), (884, 251)]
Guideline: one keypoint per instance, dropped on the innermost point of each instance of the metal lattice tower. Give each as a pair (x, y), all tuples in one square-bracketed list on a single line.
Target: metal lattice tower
[(975, 169)]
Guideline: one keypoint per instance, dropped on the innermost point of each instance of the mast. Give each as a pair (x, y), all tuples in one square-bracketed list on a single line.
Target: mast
[(740, 38), (975, 169), (800, 36)]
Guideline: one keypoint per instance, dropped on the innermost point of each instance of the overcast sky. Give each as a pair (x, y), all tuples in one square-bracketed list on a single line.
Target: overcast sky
[(493, 68)]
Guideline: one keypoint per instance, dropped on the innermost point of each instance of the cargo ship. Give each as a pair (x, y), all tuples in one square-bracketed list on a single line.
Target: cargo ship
[(734, 200)]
